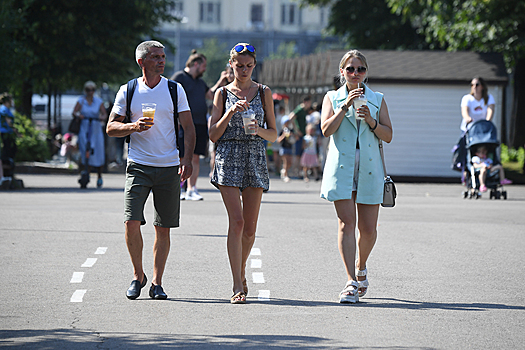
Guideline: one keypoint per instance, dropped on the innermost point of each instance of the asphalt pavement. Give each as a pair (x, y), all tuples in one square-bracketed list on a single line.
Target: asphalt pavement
[(446, 272)]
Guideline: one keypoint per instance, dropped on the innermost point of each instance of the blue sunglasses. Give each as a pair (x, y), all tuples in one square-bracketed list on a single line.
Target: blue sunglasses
[(240, 48)]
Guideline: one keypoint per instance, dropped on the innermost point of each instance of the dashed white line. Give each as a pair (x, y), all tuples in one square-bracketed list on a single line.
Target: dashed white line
[(258, 277), (255, 251), (77, 277), (89, 262), (264, 295), (101, 250), (256, 263), (78, 295)]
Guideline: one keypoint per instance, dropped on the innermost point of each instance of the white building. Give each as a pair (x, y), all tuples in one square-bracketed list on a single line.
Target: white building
[(263, 23)]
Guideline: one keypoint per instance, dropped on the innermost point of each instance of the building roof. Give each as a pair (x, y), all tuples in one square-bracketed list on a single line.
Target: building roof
[(388, 66)]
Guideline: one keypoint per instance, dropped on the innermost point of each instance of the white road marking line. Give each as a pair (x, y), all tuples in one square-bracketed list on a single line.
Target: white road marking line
[(264, 295), (256, 263), (89, 262), (78, 295), (258, 277), (77, 277), (101, 250), (255, 251)]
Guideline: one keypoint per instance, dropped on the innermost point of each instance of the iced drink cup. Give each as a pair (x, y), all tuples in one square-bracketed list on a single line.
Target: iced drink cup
[(358, 103), (148, 110), (248, 118)]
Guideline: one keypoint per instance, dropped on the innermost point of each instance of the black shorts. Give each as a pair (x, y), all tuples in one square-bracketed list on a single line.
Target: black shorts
[(201, 142)]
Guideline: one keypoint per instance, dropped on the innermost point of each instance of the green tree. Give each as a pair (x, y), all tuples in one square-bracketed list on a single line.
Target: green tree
[(217, 56), (284, 50), (478, 25), (58, 45), (369, 24)]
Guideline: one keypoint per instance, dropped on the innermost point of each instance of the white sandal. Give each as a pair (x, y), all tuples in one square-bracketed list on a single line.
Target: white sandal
[(363, 285), (350, 293)]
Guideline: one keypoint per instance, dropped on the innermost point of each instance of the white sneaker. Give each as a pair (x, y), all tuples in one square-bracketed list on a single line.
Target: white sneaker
[(193, 195)]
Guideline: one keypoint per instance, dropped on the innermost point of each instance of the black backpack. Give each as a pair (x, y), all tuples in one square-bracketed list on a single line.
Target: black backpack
[(172, 86)]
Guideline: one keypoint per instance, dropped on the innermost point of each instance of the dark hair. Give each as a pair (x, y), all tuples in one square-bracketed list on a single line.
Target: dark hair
[(5, 97), (484, 89), (195, 57)]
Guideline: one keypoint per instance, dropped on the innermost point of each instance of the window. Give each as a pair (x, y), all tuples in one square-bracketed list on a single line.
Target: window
[(176, 9), (209, 12), (257, 13), (289, 14)]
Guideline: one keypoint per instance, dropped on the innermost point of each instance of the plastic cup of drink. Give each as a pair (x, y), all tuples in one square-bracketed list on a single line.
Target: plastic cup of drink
[(248, 118), (148, 110), (358, 103)]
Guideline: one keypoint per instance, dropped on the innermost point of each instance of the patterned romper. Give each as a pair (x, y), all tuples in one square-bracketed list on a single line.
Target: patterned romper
[(240, 159)]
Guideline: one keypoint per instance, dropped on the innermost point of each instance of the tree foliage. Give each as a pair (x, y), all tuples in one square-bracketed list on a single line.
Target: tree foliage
[(57, 45), (479, 25), (369, 24), (217, 56)]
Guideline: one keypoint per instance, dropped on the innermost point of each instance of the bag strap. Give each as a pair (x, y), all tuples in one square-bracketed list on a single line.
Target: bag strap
[(224, 98), (173, 92), (132, 84), (382, 156), (172, 86), (261, 93)]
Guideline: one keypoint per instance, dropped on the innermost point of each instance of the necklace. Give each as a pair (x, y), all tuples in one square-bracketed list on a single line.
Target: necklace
[(247, 93)]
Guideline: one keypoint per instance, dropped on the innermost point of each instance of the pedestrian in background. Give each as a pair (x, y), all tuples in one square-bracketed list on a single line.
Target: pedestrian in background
[(298, 116), (478, 105), (91, 111), (7, 139), (197, 92), (240, 161), (153, 163), (353, 174)]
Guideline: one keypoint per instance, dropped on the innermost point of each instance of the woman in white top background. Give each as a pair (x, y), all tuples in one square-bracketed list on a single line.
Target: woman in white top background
[(477, 105)]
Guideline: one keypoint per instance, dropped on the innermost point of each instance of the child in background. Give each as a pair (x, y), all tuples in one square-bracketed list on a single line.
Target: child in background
[(310, 158), (67, 148), (484, 164), (287, 138)]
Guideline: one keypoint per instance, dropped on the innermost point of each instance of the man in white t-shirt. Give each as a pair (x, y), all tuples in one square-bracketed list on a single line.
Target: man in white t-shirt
[(153, 162)]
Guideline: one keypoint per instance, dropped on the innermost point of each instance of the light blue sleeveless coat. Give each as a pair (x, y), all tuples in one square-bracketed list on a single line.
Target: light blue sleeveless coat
[(338, 175)]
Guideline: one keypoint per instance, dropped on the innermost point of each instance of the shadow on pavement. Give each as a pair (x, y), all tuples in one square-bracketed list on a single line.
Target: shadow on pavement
[(85, 339)]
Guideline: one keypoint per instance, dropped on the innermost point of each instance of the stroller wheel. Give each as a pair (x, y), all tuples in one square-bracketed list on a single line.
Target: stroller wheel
[(497, 195), (504, 194), (491, 194)]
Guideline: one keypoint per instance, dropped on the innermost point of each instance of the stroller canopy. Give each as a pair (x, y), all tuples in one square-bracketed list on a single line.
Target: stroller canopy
[(482, 131)]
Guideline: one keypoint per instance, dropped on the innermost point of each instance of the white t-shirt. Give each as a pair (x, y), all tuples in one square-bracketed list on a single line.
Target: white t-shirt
[(156, 146), (477, 110)]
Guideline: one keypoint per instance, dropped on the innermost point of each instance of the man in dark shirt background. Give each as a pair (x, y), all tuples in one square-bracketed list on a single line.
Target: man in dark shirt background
[(197, 92)]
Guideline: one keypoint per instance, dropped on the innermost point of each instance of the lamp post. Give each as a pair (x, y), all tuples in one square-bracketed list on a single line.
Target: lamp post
[(182, 19)]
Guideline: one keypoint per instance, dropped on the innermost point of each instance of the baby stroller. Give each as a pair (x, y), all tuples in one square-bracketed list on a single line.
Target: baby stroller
[(482, 133)]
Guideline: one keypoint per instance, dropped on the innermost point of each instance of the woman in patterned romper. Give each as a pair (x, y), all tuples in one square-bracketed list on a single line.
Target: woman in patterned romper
[(240, 161)]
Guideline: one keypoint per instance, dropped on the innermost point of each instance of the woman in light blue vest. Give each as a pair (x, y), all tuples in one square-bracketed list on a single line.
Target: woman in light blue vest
[(353, 173)]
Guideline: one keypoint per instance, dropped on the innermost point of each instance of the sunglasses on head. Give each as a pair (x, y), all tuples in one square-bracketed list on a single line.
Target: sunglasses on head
[(359, 69), (240, 48)]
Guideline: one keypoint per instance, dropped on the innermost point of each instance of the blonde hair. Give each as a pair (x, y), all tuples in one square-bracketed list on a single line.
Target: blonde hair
[(90, 84), (234, 54), (346, 57)]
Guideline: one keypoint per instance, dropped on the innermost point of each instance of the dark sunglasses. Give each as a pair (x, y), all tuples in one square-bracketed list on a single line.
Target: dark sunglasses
[(89, 90), (359, 69), (477, 84), (240, 48)]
